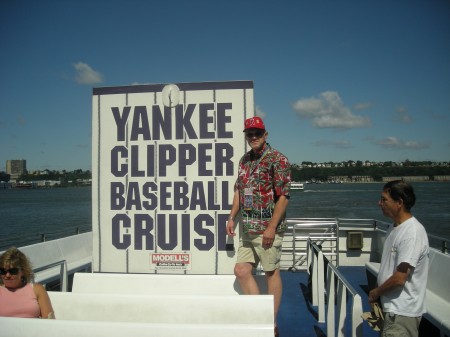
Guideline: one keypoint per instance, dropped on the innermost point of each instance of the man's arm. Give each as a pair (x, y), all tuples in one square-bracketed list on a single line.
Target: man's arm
[(278, 213), (233, 213), (398, 279)]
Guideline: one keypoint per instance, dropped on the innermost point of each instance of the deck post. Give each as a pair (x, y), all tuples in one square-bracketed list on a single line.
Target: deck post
[(331, 294), (321, 287)]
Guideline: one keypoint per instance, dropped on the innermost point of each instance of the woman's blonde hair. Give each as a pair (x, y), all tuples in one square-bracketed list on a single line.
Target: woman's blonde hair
[(14, 258)]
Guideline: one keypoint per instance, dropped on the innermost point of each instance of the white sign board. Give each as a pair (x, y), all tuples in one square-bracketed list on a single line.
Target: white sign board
[(164, 164)]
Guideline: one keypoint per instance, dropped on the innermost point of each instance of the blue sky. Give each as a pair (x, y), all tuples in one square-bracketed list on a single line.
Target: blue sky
[(333, 80)]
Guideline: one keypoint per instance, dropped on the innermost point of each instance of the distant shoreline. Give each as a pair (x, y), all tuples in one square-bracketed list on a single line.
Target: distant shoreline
[(10, 186), (378, 182)]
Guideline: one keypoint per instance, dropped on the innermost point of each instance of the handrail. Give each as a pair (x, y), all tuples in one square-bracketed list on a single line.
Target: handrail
[(26, 238), (319, 229), (63, 274), (311, 222), (343, 288), (444, 243), (317, 260), (318, 291)]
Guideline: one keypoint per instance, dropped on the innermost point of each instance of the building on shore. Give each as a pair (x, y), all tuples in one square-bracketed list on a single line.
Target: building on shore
[(407, 178), (48, 183), (339, 179), (362, 179), (441, 178), (15, 168)]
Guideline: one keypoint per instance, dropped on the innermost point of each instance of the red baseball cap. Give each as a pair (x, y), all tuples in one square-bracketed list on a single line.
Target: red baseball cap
[(254, 123)]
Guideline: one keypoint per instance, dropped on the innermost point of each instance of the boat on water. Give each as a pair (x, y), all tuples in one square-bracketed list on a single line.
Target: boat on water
[(328, 267), (297, 186), (25, 185), (158, 262)]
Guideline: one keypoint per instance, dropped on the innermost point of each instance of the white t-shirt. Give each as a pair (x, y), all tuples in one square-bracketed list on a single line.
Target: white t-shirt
[(407, 242)]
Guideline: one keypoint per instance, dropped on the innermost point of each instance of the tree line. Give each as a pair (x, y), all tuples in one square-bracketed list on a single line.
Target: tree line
[(376, 172), (64, 177), (298, 173)]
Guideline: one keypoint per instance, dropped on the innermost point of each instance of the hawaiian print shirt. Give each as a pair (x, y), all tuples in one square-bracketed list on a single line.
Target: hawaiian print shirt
[(268, 176)]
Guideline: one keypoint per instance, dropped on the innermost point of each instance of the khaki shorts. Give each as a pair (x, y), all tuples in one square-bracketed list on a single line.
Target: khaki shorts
[(252, 251), (398, 325)]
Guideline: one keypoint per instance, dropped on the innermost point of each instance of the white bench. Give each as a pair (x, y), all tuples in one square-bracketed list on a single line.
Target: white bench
[(438, 289), (165, 309), (438, 292), (157, 305), (21, 327), (156, 284)]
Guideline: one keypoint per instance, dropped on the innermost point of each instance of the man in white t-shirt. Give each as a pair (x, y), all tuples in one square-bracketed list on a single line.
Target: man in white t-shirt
[(402, 278)]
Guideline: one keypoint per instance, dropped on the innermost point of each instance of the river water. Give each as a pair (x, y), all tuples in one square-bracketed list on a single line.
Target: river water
[(27, 215)]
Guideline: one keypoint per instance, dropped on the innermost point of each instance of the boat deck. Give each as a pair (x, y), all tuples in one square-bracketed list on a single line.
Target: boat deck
[(297, 317)]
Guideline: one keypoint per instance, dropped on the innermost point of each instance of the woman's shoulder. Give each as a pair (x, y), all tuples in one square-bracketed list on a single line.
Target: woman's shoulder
[(38, 289)]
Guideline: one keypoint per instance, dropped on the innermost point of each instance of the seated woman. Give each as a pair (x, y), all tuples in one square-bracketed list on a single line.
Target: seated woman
[(19, 296)]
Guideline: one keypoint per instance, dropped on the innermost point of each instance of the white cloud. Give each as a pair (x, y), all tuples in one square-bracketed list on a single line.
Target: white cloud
[(259, 112), (362, 106), (328, 111), (395, 143), (86, 75), (402, 115)]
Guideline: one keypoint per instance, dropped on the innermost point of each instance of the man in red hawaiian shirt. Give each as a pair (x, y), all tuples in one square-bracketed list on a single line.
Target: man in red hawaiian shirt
[(261, 197)]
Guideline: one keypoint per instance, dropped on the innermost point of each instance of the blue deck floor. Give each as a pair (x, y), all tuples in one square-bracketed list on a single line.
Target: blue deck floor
[(298, 318)]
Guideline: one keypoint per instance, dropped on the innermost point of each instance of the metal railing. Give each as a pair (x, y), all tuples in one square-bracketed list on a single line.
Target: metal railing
[(323, 231), (26, 238), (439, 242), (326, 233), (317, 261), (63, 273)]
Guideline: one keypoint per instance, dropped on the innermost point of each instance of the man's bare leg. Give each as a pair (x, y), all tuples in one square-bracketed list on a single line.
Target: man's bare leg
[(244, 274), (275, 288)]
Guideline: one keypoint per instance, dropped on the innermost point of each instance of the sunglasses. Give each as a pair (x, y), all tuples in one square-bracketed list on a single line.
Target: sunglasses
[(256, 134), (11, 271)]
